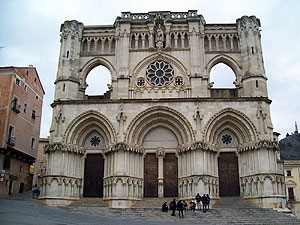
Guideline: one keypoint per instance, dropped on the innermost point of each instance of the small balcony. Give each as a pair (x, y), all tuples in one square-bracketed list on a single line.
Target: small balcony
[(11, 141), (16, 108)]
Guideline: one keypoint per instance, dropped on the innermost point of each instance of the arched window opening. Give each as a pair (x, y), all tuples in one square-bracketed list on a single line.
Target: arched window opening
[(98, 81), (222, 76)]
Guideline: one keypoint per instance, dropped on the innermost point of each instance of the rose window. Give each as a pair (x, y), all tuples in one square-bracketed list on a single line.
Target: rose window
[(226, 139), (95, 141), (160, 73)]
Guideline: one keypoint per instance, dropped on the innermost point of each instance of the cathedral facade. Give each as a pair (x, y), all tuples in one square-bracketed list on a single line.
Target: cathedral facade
[(162, 129)]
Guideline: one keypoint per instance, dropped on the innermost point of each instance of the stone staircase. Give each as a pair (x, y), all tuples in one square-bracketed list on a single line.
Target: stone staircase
[(228, 210), (152, 202), (89, 202)]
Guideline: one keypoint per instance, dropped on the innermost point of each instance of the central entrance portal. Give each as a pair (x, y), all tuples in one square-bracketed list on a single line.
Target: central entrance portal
[(228, 174), (93, 176)]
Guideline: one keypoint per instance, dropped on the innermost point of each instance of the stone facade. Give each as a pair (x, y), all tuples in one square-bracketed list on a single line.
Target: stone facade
[(162, 103)]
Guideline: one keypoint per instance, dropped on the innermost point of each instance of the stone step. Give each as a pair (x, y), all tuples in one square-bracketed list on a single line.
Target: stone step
[(212, 216), (90, 202), (227, 210), (152, 202)]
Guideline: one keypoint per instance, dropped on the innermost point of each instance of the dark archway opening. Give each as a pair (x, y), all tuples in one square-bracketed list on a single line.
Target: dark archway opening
[(93, 175)]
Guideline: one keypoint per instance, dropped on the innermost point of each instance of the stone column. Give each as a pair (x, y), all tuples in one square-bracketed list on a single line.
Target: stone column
[(160, 154)]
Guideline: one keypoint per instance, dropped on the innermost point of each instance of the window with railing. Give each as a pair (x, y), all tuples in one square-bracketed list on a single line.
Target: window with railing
[(11, 139), (15, 107), (32, 143), (33, 114)]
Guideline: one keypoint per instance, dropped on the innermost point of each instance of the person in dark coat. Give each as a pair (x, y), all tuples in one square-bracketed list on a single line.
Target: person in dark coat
[(198, 200), (164, 207), (180, 208), (184, 205), (204, 202), (173, 207)]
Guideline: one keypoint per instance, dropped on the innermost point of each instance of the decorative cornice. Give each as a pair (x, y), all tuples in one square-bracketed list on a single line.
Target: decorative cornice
[(161, 100), (64, 148), (199, 145), (271, 145), (121, 146)]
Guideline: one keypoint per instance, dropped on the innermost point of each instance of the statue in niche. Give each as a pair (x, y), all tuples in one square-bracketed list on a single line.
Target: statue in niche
[(159, 33)]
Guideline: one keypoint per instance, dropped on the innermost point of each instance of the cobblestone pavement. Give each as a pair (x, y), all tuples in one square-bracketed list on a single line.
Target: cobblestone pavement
[(22, 209)]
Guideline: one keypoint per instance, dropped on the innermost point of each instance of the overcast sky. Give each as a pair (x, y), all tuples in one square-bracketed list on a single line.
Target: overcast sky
[(30, 35)]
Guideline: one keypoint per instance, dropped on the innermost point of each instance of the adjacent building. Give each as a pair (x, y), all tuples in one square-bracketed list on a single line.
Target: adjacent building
[(21, 100), (290, 154), (40, 162), (162, 129)]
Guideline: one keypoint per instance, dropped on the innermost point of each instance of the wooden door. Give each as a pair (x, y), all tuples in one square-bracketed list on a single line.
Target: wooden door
[(228, 174), (170, 175), (150, 176), (93, 175)]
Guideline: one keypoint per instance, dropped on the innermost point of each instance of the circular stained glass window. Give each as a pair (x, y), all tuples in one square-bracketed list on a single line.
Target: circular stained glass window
[(226, 139), (95, 141), (160, 73)]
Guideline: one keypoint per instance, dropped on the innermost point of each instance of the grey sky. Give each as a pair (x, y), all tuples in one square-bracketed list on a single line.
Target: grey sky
[(30, 32)]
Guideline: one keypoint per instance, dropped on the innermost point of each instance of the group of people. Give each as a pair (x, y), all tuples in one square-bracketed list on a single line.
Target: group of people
[(205, 200), (181, 205)]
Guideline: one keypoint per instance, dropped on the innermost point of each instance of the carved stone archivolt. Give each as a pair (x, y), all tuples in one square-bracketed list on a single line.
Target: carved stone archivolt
[(64, 148), (249, 131)]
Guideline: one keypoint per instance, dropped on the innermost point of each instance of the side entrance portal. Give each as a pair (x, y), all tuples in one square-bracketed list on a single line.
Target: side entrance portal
[(150, 176), (170, 175), (93, 175), (228, 174)]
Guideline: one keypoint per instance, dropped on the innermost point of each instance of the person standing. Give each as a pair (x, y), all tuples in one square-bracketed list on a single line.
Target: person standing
[(180, 208), (173, 207), (207, 200), (204, 202), (198, 200)]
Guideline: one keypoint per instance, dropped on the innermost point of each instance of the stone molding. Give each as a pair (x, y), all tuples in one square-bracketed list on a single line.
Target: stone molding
[(125, 179), (199, 145), (47, 179), (271, 145), (261, 178), (234, 113), (80, 119), (121, 146), (146, 116), (64, 148), (159, 56)]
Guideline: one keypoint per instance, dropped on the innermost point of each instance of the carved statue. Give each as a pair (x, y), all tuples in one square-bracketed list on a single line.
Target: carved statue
[(159, 34)]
